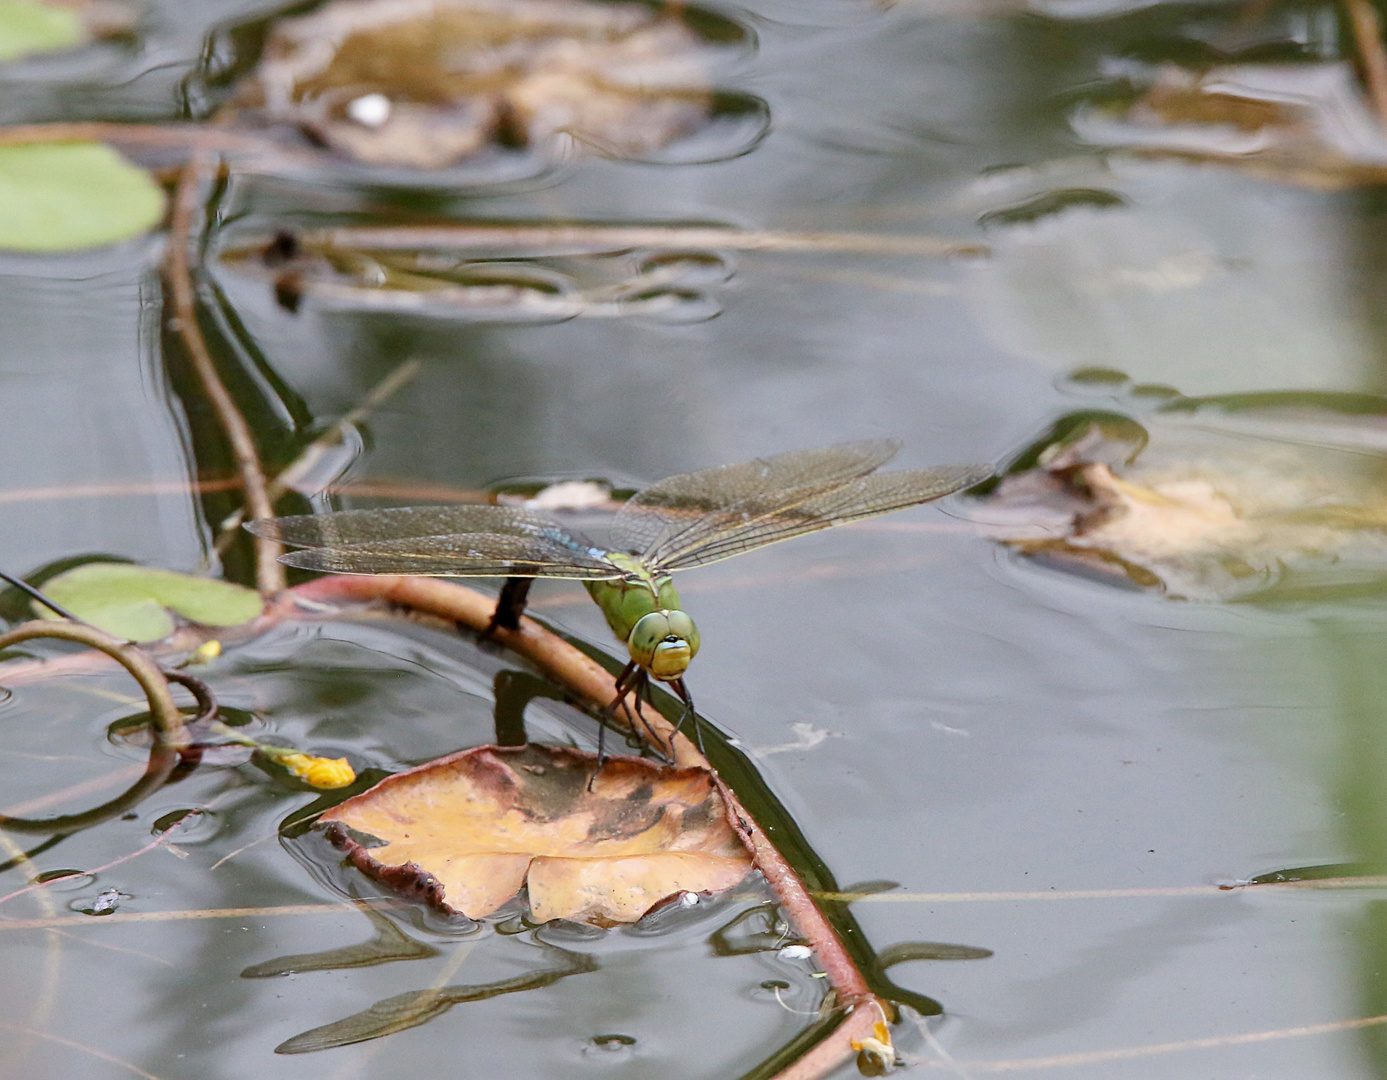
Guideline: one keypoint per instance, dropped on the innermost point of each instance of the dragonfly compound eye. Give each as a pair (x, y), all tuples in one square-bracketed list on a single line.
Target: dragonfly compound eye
[(663, 642)]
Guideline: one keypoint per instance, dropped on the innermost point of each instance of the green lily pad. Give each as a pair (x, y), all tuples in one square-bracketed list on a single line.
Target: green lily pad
[(68, 196), (28, 27), (136, 602)]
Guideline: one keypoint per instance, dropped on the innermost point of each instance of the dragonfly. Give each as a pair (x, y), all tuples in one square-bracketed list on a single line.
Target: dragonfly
[(684, 521)]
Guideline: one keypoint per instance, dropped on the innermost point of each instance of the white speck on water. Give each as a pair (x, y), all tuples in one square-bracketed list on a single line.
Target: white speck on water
[(939, 726), (807, 736), (369, 110), (795, 952), (689, 899)]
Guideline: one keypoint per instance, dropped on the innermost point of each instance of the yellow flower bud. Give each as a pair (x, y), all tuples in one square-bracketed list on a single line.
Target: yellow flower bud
[(321, 772), (206, 652)]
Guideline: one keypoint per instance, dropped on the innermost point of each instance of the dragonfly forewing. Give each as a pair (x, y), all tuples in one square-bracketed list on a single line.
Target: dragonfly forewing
[(690, 503), (452, 541), (457, 555), (347, 527), (756, 522)]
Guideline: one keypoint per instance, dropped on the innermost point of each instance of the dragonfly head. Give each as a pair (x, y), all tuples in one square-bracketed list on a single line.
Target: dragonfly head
[(663, 642)]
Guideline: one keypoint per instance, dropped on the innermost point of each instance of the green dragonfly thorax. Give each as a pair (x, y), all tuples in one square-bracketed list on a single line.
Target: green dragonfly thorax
[(643, 610)]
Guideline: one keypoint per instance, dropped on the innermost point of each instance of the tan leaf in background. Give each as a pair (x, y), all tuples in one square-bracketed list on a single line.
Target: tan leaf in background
[(426, 83)]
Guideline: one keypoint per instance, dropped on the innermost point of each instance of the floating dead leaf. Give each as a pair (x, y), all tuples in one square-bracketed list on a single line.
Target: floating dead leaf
[(465, 832), (668, 286), (1206, 501), (1306, 124), (427, 83)]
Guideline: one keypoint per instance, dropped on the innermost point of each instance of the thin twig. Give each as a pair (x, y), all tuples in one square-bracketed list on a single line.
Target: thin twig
[(121, 775), (189, 136), (105, 491), (33, 593), (1368, 881), (1127, 1053), (158, 841), (1367, 35), (592, 237), (184, 639), (188, 915), (70, 1044), (269, 574), (46, 993), (313, 453)]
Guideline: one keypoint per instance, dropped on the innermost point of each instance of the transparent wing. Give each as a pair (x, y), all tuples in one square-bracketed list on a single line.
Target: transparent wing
[(818, 506), (684, 509), (457, 555), (439, 541)]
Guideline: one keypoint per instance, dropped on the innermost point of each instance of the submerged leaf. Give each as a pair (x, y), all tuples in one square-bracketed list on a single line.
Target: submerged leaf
[(426, 83), (468, 830), (404, 1011), (135, 602), (928, 950), (390, 944), (67, 196)]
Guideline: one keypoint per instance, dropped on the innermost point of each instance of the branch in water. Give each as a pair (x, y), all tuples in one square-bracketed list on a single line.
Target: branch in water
[(269, 574), (588, 237)]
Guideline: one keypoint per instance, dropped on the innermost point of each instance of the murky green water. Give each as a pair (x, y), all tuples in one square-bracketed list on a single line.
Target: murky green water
[(994, 725)]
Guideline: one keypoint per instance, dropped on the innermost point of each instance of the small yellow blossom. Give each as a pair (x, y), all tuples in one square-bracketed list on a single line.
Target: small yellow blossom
[(205, 653), (321, 772), (876, 1055)]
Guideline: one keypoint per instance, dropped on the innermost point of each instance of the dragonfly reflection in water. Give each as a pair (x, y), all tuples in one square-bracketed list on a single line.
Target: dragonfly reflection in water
[(683, 521)]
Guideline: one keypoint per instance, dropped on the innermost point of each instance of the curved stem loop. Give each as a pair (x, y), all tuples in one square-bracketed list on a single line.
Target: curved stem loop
[(170, 732)]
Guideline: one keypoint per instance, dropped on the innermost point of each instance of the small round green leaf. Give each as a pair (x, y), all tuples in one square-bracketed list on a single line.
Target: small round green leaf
[(134, 601), (28, 27), (68, 196)]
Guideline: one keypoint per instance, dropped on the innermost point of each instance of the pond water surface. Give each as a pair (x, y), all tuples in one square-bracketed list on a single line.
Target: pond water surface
[(1053, 765)]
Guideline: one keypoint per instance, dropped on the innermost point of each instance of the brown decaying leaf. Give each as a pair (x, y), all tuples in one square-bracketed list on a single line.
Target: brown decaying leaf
[(427, 83), (465, 832), (1304, 124), (1202, 514)]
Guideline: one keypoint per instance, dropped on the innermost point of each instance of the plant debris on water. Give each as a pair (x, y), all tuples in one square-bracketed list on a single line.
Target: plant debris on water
[(599, 844), (1198, 506), (426, 83)]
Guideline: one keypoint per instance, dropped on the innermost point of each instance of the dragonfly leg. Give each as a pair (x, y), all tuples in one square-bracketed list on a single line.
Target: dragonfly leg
[(630, 684), (683, 691), (509, 606), (624, 682), (649, 737)]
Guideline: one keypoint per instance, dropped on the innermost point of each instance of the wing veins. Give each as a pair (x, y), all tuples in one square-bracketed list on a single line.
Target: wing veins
[(698, 495), (469, 554), (898, 491)]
